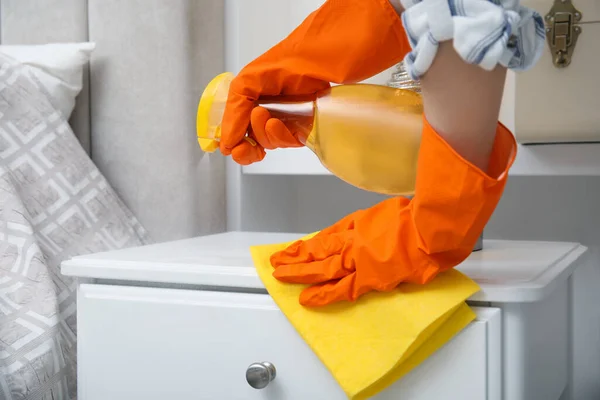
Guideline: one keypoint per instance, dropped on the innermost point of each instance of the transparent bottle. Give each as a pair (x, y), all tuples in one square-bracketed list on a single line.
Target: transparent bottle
[(367, 135)]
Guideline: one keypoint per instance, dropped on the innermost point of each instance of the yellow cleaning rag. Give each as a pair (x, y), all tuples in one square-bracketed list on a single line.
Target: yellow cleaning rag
[(394, 331)]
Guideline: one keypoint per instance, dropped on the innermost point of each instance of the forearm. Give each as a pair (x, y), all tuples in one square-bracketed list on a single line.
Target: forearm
[(462, 103)]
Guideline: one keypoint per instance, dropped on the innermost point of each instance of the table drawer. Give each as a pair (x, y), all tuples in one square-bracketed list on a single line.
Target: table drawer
[(154, 343)]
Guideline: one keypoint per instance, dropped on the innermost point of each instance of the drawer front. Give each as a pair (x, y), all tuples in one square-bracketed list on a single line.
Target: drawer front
[(155, 343)]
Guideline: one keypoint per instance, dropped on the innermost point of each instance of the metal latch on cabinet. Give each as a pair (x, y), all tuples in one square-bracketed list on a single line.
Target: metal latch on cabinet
[(562, 31)]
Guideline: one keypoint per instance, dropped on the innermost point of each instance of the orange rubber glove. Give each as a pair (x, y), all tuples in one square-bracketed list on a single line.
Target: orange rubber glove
[(341, 42), (401, 240)]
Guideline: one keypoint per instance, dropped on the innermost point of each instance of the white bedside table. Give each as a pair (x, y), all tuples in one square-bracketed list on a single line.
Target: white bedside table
[(186, 319)]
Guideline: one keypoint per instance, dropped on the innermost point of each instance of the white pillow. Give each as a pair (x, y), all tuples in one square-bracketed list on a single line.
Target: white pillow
[(58, 66)]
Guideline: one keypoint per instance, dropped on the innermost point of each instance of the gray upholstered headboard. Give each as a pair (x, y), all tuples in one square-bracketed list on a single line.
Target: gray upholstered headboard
[(136, 113)]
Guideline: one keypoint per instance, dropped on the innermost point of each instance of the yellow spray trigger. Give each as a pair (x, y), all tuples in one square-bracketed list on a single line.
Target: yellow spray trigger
[(210, 112)]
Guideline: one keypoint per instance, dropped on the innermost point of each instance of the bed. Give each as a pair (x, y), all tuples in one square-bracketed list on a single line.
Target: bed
[(122, 169)]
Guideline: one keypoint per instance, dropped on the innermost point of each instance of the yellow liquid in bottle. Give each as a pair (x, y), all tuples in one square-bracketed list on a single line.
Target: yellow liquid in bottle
[(366, 135), (369, 136)]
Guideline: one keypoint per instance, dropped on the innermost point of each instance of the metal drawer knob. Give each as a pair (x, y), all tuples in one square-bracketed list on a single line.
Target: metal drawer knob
[(259, 375)]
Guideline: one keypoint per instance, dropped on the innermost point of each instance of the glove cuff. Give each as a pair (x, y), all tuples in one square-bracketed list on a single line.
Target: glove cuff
[(484, 33)]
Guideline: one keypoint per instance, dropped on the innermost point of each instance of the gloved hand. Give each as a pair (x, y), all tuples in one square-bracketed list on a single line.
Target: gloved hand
[(341, 42), (399, 240)]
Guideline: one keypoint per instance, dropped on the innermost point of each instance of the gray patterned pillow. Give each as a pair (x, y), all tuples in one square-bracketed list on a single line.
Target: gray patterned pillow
[(54, 204)]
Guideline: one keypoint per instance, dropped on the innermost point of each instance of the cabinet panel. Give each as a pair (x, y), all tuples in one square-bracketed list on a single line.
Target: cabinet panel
[(468, 367), (558, 105), (166, 343), (152, 344)]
